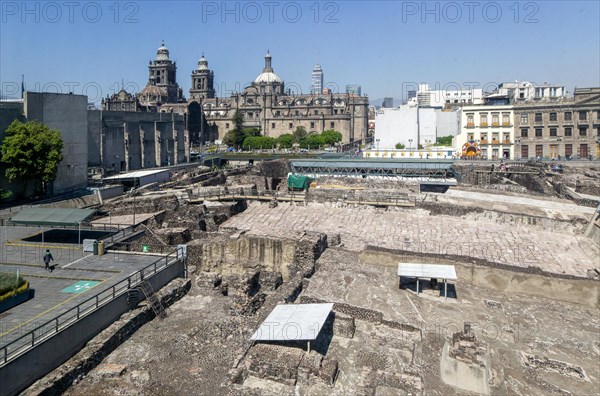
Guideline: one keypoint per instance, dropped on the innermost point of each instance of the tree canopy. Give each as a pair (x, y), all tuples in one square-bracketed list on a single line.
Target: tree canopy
[(286, 140), (259, 142), (32, 151), (331, 137), (299, 134), (443, 141)]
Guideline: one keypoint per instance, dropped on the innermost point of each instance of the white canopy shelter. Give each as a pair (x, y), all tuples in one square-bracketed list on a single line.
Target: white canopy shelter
[(293, 322), (430, 271)]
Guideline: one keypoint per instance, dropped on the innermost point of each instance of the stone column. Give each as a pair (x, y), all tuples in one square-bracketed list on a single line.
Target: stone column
[(157, 145), (126, 145)]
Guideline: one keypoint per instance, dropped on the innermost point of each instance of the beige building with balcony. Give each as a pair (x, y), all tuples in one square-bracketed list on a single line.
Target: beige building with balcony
[(568, 128), (487, 132)]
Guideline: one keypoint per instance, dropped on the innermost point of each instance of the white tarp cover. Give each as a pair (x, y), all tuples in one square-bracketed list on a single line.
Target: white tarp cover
[(293, 322), (427, 271)]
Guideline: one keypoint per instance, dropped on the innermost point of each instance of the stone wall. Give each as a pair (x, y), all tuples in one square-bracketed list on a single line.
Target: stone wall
[(526, 281)]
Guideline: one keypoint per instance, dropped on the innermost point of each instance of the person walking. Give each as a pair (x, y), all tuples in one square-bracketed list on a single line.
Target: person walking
[(47, 258)]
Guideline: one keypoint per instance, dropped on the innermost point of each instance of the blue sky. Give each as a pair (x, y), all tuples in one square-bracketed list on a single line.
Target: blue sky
[(385, 46)]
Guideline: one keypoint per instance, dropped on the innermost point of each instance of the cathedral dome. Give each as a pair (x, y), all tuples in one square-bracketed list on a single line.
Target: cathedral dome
[(162, 54), (268, 78), (152, 93)]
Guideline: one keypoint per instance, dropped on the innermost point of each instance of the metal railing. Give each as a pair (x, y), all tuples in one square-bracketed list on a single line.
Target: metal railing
[(46, 201), (53, 326)]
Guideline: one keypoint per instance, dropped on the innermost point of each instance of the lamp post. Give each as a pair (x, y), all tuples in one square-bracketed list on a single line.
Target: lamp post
[(410, 144), (377, 141), (558, 140), (517, 146)]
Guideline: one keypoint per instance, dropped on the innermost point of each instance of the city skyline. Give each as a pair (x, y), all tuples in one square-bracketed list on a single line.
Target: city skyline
[(403, 45)]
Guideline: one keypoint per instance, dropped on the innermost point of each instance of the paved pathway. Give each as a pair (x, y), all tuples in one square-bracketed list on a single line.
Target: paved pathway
[(409, 230), (84, 277)]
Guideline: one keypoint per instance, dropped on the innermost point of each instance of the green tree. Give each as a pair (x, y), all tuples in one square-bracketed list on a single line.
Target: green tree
[(400, 146), (299, 134), (331, 137), (312, 142), (286, 140), (420, 146), (259, 142), (238, 120), (32, 151), (443, 141)]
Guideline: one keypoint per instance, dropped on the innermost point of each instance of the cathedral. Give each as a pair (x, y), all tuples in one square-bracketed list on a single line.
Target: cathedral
[(264, 104)]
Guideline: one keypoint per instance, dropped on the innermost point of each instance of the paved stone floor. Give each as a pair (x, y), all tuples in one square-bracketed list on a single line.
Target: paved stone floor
[(549, 207), (415, 231)]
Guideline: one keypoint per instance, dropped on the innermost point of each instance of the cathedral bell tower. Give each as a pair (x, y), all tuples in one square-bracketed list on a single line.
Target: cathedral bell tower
[(202, 81)]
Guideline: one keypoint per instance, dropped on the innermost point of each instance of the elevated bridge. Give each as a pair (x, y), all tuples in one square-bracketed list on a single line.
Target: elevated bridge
[(426, 172)]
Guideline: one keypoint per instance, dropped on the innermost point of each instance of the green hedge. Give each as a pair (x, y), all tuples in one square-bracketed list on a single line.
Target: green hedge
[(11, 286)]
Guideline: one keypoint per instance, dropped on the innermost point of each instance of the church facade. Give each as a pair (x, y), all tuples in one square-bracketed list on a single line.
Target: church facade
[(264, 104)]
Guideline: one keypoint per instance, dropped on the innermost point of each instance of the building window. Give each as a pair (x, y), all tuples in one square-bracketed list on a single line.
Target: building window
[(316, 112), (290, 125), (568, 131), (483, 119), (553, 117), (470, 121), (297, 113), (538, 132), (312, 125), (227, 125), (538, 117), (568, 150), (582, 131), (553, 132), (525, 151), (495, 119), (484, 138), (506, 138), (471, 137), (582, 115), (272, 125), (332, 124), (524, 132), (568, 116), (277, 113), (598, 114), (250, 115), (539, 150), (505, 119), (524, 119), (583, 151)]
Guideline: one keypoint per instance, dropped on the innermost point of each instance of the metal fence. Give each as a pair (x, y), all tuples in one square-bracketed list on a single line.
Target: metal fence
[(41, 333)]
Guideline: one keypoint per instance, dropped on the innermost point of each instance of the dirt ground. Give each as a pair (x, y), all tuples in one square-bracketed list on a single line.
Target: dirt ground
[(536, 346)]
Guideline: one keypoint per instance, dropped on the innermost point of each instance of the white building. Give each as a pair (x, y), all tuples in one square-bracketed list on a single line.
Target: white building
[(426, 97), (411, 126), (527, 91), (487, 132)]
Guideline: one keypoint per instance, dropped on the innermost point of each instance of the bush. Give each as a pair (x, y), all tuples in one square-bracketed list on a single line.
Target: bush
[(258, 142), (11, 286), (400, 146), (286, 140)]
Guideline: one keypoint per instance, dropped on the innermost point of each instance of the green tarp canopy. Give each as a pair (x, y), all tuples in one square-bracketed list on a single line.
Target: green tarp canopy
[(299, 182), (52, 216)]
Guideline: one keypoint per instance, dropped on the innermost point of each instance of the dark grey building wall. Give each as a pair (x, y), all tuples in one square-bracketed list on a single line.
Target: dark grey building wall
[(68, 114)]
